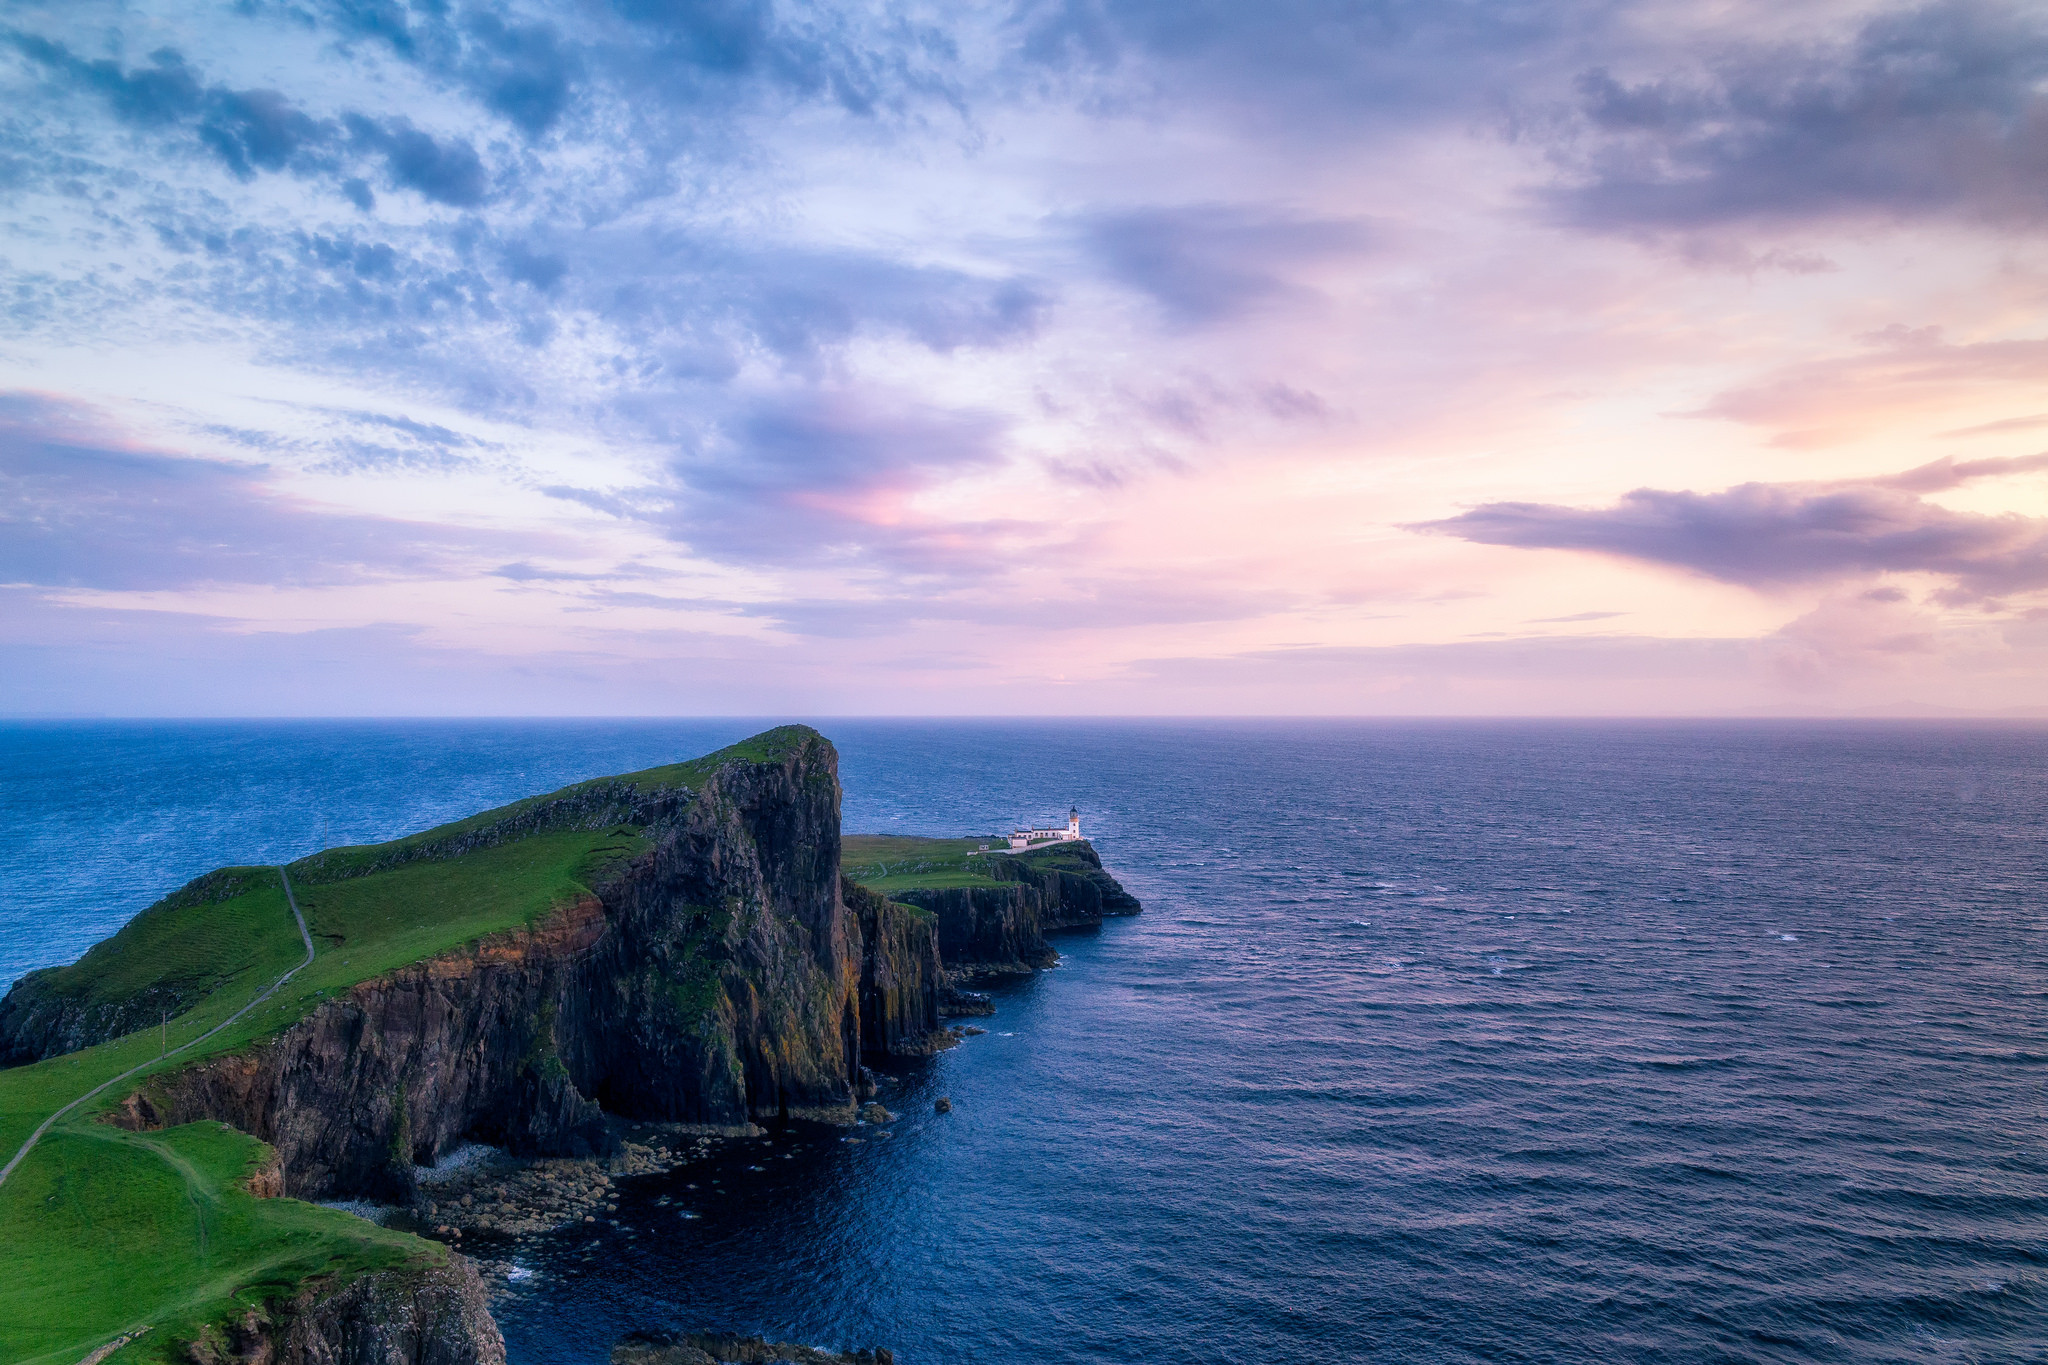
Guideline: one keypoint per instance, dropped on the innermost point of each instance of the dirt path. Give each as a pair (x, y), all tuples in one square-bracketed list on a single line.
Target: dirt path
[(304, 934)]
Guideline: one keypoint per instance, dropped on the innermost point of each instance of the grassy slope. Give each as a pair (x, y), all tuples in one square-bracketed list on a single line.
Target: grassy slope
[(889, 863), (102, 1230)]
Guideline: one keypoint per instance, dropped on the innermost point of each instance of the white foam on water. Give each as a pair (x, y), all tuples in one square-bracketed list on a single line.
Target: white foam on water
[(1788, 938), (454, 1163), (519, 1272)]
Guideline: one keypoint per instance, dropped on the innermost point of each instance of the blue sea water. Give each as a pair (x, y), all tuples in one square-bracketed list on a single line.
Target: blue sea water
[(1435, 1042)]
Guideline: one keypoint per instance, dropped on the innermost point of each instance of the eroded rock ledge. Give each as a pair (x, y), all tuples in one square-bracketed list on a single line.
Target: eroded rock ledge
[(715, 1348), (426, 1315)]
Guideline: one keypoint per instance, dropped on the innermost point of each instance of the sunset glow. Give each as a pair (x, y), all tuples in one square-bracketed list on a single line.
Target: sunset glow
[(1108, 356)]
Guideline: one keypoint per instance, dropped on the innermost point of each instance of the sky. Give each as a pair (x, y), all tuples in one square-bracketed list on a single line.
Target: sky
[(1375, 357)]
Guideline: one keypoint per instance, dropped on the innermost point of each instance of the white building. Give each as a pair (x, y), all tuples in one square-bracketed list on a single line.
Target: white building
[(1025, 838)]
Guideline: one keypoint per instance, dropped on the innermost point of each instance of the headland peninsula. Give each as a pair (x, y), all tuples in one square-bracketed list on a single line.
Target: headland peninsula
[(601, 981)]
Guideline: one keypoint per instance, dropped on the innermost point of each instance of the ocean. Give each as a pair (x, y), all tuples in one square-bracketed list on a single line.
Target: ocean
[(1444, 1041)]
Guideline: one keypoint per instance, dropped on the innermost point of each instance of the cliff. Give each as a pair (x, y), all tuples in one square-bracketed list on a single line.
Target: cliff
[(415, 1315), (713, 973), (994, 912), (901, 976), (675, 944), (144, 973)]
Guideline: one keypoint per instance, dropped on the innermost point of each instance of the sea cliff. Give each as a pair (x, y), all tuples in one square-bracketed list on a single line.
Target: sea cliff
[(715, 976), (692, 954), (994, 909)]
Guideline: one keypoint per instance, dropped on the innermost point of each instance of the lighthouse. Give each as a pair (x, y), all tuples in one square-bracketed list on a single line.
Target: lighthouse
[(1027, 838)]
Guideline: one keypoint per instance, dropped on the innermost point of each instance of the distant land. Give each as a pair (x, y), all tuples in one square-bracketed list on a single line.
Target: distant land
[(687, 951)]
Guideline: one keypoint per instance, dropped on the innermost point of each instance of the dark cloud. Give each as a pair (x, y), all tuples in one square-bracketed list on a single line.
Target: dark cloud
[(249, 130), (445, 170), (163, 92), (80, 509), (1937, 111), (671, 67), (522, 71), (1768, 535), (263, 130), (1209, 263)]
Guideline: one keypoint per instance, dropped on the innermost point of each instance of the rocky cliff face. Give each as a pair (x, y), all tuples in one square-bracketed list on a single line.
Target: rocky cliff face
[(426, 1315), (1003, 928), (39, 1019), (901, 978), (61, 1009), (718, 976)]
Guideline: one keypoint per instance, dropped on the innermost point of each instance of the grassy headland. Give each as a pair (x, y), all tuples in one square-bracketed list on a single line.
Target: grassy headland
[(890, 863), (103, 1231)]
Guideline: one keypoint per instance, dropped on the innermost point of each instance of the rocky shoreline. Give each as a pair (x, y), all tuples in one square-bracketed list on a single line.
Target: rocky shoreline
[(713, 1348)]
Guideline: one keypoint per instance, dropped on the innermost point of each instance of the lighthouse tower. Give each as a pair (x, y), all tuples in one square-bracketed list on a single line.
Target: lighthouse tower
[(1073, 822)]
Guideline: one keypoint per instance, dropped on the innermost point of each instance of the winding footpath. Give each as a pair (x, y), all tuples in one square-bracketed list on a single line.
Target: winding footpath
[(304, 934)]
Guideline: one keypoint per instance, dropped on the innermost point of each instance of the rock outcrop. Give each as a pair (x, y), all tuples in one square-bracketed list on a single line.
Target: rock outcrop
[(901, 980), (717, 977), (39, 1019), (1002, 928), (57, 1010), (415, 1315), (717, 1348)]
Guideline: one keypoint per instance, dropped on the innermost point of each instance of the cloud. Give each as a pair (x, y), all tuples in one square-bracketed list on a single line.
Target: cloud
[(795, 301), (1768, 535), (524, 572), (82, 508), (262, 130), (445, 170), (1903, 373), (1949, 472), (522, 71), (1851, 635), (1092, 603), (248, 130), (1934, 112), (1209, 263), (833, 477), (1999, 428), (1321, 66)]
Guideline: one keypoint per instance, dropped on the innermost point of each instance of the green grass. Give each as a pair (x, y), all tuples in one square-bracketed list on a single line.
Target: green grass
[(888, 862), (766, 747), (102, 1230)]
